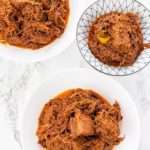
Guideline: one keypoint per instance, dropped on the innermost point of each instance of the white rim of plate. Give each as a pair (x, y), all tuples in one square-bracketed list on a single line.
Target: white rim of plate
[(83, 70)]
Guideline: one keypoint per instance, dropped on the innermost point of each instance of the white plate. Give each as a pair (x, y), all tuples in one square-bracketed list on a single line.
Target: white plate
[(81, 78), (53, 49)]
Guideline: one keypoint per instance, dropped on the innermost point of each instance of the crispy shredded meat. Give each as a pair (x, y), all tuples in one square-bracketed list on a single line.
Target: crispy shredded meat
[(116, 39), (79, 120), (32, 23)]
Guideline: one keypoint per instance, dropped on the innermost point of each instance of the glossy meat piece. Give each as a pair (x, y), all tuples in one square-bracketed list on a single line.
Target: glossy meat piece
[(81, 125)]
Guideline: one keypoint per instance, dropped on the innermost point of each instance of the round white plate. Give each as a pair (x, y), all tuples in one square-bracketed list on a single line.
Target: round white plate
[(81, 78), (53, 49)]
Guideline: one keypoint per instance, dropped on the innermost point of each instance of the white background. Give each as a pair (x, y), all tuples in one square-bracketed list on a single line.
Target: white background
[(17, 81)]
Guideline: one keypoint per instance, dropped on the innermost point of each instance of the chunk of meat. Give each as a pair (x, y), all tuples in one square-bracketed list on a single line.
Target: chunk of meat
[(81, 125)]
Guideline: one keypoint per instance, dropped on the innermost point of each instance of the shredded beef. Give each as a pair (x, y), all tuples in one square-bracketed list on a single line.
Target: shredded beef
[(116, 39), (79, 120), (32, 23)]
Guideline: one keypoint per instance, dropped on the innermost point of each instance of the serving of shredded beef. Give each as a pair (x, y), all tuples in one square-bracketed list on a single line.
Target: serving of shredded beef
[(116, 39), (32, 24), (79, 120)]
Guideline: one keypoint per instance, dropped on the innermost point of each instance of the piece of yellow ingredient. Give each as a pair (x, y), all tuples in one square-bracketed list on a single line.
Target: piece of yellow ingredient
[(103, 39)]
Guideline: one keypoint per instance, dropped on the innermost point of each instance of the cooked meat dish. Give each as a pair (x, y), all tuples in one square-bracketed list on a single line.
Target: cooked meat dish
[(79, 119), (32, 24), (116, 39)]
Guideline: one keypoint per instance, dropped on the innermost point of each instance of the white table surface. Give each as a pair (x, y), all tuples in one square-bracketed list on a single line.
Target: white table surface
[(17, 81)]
